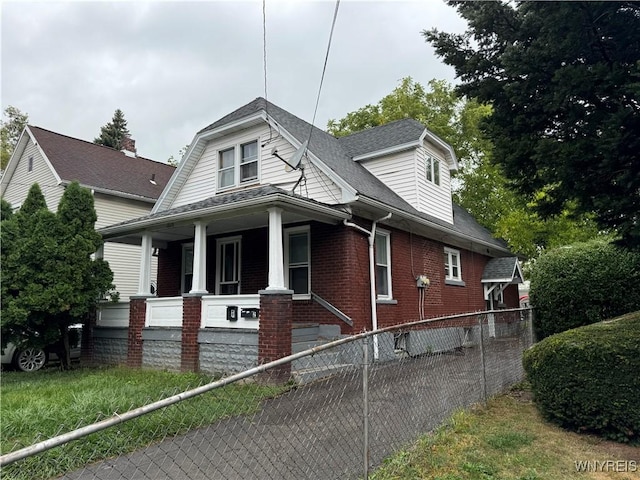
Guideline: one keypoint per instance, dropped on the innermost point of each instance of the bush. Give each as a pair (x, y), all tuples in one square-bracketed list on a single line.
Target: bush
[(583, 284), (588, 379)]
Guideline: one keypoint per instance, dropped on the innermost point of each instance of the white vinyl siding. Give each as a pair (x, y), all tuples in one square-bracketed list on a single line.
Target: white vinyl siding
[(432, 198), (21, 180), (398, 172), (124, 260), (202, 181)]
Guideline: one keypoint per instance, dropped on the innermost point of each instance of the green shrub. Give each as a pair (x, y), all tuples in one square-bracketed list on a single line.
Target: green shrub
[(588, 379), (583, 284)]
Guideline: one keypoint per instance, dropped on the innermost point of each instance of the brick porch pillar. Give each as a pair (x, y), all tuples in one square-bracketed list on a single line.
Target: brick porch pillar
[(191, 313), (274, 336), (137, 316)]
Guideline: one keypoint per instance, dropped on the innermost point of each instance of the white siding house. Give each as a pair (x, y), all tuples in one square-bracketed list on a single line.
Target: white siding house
[(124, 187)]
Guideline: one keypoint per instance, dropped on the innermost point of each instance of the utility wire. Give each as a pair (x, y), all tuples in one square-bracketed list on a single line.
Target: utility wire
[(264, 63), (324, 68)]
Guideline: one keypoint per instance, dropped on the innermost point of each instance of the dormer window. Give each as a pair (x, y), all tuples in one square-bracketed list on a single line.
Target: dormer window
[(237, 165), (432, 167)]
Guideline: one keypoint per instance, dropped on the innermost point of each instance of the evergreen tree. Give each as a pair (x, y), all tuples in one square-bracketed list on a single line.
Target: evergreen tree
[(49, 280), (112, 134), (10, 132), (562, 79)]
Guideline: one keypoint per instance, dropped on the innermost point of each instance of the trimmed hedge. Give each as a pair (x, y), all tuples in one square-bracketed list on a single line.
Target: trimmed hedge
[(583, 284), (588, 379)]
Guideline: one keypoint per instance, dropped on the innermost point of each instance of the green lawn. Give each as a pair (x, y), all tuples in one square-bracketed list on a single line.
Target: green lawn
[(508, 440), (40, 405)]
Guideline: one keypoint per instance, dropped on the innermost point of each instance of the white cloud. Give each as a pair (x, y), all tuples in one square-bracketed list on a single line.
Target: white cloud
[(175, 67)]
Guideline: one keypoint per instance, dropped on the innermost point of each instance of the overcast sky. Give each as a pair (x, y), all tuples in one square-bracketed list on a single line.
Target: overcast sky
[(175, 67)]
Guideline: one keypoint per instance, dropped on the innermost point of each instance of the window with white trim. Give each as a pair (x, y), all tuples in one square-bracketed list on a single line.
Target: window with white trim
[(30, 164), (452, 270), (238, 165), (228, 266), (297, 253), (383, 265), (187, 267), (432, 168)]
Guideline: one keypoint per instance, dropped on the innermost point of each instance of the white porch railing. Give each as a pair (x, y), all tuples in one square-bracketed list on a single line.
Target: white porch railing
[(164, 312), (113, 314), (230, 311)]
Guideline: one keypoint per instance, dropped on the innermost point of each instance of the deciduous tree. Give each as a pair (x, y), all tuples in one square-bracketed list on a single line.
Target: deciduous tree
[(10, 131)]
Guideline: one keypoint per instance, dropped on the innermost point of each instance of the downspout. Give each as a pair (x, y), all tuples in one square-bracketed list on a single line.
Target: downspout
[(372, 276)]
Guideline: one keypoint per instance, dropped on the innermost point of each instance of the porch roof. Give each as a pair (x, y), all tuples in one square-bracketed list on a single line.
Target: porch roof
[(502, 270), (233, 211)]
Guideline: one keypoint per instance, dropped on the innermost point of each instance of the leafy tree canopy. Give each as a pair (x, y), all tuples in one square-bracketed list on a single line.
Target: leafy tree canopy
[(49, 279), (10, 131), (563, 82), (480, 186), (112, 134)]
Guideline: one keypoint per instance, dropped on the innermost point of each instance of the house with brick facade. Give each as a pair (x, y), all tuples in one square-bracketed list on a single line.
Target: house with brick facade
[(271, 230), (124, 186)]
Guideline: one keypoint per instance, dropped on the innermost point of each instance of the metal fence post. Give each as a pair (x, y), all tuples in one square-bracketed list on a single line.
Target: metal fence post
[(365, 405), (482, 361)]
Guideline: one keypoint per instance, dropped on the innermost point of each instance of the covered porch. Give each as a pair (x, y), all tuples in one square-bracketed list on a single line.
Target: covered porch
[(229, 269)]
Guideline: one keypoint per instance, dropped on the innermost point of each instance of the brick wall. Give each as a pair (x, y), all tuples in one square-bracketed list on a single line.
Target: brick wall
[(191, 313), (137, 313), (274, 339)]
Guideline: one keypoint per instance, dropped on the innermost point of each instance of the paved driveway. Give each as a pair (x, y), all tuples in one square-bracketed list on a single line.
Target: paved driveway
[(316, 431)]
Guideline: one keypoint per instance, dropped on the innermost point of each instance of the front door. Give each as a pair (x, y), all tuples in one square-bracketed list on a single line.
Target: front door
[(228, 266)]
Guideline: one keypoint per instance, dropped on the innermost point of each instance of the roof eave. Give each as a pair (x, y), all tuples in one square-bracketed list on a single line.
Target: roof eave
[(387, 151), (410, 216), (273, 199)]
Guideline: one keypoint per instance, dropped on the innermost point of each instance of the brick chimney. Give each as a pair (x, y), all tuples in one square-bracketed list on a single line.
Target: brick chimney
[(128, 146)]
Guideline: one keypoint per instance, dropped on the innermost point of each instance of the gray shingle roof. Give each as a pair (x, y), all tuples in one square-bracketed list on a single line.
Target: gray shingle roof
[(337, 154), (501, 268), (102, 167), (385, 136)]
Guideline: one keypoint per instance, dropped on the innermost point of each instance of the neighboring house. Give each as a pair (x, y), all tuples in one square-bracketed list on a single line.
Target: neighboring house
[(269, 225), (124, 186)]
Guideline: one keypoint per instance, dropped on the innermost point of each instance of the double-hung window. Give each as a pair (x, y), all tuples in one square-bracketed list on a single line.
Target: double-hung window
[(383, 265), (298, 261), (452, 270), (228, 266), (237, 165), (187, 267), (432, 168)]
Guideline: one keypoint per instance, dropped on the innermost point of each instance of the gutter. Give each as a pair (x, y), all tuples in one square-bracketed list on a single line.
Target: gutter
[(372, 276), (427, 223)]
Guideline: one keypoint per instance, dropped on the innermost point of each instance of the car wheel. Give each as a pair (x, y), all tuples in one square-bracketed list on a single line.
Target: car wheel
[(30, 359)]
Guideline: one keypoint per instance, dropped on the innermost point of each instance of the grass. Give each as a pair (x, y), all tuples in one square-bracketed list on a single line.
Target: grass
[(508, 440), (43, 404)]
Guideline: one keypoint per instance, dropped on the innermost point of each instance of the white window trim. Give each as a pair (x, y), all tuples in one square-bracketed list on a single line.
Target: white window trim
[(221, 241), (183, 272), (449, 278), (237, 162), (287, 232), (387, 235), (30, 164), (430, 169)]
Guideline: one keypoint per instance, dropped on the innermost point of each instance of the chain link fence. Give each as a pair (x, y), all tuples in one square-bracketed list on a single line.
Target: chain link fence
[(349, 404)]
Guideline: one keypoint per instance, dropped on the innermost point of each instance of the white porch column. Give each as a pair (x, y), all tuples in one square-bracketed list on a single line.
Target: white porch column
[(144, 280), (199, 284), (276, 264)]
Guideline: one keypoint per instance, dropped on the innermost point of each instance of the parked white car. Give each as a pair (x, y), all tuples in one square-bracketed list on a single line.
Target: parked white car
[(33, 359)]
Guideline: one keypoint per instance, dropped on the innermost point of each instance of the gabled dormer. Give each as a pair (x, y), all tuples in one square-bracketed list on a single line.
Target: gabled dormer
[(411, 161)]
